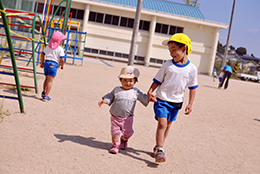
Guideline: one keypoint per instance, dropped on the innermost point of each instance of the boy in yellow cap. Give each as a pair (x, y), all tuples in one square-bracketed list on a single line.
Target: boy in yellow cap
[(171, 81)]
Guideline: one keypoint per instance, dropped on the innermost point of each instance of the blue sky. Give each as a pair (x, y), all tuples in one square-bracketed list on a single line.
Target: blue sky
[(245, 31)]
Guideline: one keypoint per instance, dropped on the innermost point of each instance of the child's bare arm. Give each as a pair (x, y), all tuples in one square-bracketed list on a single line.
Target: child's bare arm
[(42, 60), (188, 108), (150, 95), (103, 101), (61, 63)]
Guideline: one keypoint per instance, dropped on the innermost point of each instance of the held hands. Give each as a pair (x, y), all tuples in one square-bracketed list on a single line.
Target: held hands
[(103, 101), (188, 109), (151, 97)]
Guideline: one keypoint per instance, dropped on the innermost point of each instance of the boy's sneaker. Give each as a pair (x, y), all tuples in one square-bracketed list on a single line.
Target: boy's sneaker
[(43, 93), (123, 143), (46, 98), (160, 156), (115, 148), (154, 151)]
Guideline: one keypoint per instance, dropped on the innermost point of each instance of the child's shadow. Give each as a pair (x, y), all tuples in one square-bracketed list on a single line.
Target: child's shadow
[(91, 142)]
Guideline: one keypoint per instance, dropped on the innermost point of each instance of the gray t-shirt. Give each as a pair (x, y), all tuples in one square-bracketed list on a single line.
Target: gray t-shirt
[(123, 101)]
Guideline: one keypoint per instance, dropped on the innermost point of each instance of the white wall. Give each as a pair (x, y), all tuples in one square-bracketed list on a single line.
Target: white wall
[(118, 39)]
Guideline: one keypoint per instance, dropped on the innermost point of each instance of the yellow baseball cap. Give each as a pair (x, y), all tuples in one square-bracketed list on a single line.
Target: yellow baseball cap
[(181, 38)]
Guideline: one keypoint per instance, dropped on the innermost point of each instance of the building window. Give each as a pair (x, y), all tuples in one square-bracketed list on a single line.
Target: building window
[(123, 22), (117, 20), (119, 55), (167, 29), (76, 14), (102, 52), (125, 56), (158, 28), (88, 50), (140, 58), (108, 19), (99, 18), (179, 30), (110, 53), (158, 61), (164, 29), (92, 16), (144, 25), (152, 60), (39, 7), (55, 9), (80, 14), (130, 23), (173, 29), (94, 51), (63, 9)]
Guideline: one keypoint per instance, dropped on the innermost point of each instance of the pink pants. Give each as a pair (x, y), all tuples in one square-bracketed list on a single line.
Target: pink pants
[(122, 124)]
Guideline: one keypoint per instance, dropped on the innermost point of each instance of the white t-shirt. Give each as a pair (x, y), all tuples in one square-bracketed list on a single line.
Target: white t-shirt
[(173, 79), (53, 55)]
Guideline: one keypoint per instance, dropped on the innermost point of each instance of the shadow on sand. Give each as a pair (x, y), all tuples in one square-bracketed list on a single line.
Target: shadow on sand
[(214, 87), (256, 119), (91, 142)]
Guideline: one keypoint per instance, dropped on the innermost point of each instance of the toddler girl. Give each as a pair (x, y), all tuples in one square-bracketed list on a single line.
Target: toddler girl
[(54, 57), (122, 100)]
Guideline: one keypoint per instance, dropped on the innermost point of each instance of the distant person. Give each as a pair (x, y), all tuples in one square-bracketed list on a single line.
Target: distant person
[(215, 76), (122, 100), (227, 74), (54, 58), (220, 77), (171, 80)]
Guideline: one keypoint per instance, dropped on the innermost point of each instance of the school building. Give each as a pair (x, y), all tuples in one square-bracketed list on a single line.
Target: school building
[(109, 26)]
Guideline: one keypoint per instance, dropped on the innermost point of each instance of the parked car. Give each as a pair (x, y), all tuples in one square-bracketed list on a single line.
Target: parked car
[(255, 77)]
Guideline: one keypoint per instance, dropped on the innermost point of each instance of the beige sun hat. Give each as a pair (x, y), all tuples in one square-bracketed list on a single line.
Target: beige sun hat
[(129, 72)]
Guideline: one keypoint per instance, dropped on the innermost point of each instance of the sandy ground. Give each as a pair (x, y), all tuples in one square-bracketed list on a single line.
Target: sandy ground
[(71, 134)]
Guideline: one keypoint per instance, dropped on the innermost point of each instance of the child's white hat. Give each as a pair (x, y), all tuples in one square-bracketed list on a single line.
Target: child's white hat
[(129, 72)]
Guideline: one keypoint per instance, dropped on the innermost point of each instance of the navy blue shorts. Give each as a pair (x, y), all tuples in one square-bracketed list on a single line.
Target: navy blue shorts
[(166, 109), (50, 68)]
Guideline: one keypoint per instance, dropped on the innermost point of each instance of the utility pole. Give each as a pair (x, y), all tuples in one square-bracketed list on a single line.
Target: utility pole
[(135, 32), (229, 31)]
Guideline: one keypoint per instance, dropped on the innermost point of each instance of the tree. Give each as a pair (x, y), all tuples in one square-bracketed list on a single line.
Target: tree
[(220, 48), (241, 51), (192, 3), (231, 47), (236, 68)]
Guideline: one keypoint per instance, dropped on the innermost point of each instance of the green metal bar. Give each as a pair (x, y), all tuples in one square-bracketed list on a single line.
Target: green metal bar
[(33, 53), (11, 50), (63, 13), (44, 40), (43, 32), (55, 14), (65, 21)]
